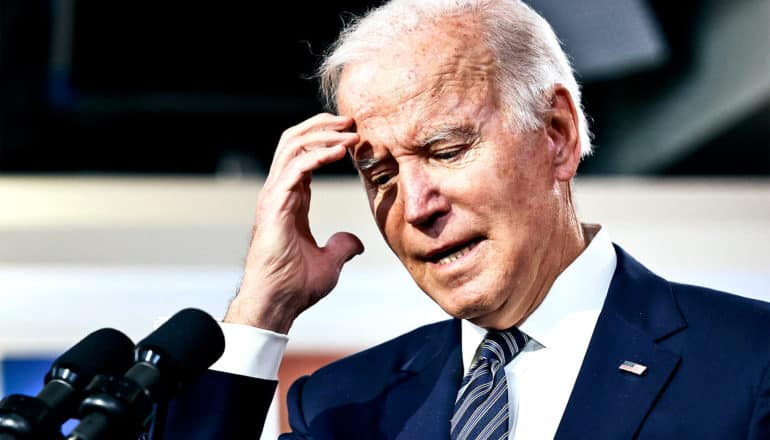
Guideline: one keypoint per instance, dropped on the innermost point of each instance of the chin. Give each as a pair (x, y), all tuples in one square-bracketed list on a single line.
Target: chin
[(468, 306)]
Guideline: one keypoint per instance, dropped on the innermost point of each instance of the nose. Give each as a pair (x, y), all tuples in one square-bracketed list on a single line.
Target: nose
[(422, 198)]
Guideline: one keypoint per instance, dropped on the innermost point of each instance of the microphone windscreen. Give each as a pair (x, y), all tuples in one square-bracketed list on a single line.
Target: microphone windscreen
[(191, 341), (105, 351)]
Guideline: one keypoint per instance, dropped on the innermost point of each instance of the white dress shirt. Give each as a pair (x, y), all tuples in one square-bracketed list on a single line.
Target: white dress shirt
[(540, 378)]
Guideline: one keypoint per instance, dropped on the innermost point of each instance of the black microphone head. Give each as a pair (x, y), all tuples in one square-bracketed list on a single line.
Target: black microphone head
[(105, 351), (189, 342)]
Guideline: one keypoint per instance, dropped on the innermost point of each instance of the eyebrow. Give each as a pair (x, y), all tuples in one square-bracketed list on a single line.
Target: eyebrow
[(463, 132), (448, 133)]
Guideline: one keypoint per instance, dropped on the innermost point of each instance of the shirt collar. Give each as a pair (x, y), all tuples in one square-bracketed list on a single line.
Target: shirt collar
[(581, 287)]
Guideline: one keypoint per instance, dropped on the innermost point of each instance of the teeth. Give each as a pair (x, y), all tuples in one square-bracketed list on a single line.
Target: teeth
[(455, 255)]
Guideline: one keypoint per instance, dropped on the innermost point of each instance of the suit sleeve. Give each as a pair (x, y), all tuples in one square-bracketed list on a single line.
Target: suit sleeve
[(217, 406), (299, 428)]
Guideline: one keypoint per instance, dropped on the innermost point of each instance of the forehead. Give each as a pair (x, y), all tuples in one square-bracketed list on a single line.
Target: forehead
[(430, 78)]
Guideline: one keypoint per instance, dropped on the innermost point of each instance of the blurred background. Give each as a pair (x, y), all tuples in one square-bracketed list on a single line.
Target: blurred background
[(134, 137), (179, 88)]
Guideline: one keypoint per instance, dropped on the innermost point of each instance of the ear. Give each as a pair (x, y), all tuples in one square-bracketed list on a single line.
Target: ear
[(561, 125)]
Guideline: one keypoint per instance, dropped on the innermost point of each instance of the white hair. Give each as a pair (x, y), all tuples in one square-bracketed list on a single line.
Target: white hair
[(529, 58)]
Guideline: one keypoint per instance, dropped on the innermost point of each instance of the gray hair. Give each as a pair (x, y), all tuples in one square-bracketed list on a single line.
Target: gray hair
[(529, 58)]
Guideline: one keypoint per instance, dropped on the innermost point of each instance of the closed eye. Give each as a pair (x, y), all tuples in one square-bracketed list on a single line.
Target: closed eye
[(447, 154), (381, 179)]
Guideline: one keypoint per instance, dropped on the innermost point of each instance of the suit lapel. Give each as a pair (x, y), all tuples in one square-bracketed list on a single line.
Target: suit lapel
[(639, 311), (423, 392)]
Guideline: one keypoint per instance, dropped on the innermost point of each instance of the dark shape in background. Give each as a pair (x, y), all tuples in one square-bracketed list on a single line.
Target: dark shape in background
[(673, 88)]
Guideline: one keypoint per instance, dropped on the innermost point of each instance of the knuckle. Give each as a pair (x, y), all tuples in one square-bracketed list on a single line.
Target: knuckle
[(323, 116), (288, 133), (291, 144)]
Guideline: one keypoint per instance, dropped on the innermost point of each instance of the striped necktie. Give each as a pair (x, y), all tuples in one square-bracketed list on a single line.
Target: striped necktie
[(481, 410)]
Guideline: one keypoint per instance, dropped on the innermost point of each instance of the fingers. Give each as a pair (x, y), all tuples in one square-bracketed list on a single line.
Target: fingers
[(326, 121), (320, 131), (309, 142), (306, 147), (299, 169), (288, 272), (342, 247)]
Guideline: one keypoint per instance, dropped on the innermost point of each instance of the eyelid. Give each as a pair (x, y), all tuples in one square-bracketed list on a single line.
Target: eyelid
[(452, 147), (375, 174), (454, 150)]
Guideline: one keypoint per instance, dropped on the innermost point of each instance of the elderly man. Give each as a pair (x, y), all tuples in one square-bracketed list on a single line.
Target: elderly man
[(464, 121)]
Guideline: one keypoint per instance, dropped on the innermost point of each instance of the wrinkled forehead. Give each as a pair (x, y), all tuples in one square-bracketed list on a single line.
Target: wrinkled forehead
[(427, 76)]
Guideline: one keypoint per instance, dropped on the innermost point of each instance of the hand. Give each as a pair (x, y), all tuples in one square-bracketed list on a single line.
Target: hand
[(286, 271)]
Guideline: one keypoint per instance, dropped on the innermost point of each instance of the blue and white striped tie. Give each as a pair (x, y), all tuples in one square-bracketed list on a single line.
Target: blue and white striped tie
[(481, 410)]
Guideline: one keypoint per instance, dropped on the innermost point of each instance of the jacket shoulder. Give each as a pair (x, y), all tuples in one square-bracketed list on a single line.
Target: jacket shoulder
[(665, 305), (729, 313)]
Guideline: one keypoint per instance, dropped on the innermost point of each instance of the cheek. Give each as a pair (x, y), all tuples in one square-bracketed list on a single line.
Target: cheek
[(516, 200), (505, 170), (524, 178)]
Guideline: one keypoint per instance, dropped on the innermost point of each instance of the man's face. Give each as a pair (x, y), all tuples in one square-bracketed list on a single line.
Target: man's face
[(465, 202)]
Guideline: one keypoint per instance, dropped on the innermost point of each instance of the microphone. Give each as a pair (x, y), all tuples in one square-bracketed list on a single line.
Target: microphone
[(165, 361), (103, 351)]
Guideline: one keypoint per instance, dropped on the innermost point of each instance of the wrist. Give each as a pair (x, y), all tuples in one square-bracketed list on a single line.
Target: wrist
[(267, 317)]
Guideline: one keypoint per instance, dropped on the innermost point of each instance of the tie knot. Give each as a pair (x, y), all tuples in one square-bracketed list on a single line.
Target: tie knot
[(503, 345)]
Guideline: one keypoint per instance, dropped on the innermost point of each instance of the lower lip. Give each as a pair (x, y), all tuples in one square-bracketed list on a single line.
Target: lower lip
[(465, 257)]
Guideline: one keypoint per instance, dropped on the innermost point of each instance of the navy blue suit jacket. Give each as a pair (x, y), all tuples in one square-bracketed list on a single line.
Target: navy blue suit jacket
[(708, 377)]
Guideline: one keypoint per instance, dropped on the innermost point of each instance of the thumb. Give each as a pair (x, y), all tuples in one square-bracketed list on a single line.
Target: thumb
[(343, 246)]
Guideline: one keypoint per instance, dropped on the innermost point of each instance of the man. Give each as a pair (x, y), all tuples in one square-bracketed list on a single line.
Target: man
[(464, 121)]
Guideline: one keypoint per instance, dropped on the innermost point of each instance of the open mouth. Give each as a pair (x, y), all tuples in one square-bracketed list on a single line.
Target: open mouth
[(454, 253)]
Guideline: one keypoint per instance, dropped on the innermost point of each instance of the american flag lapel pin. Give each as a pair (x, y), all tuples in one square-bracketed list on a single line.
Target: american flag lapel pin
[(633, 368)]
